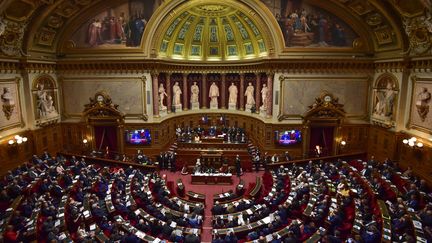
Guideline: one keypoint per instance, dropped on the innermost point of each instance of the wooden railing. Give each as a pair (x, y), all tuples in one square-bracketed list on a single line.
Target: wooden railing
[(111, 162), (349, 156)]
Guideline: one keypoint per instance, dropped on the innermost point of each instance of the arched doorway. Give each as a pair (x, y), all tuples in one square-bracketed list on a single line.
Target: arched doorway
[(322, 124)]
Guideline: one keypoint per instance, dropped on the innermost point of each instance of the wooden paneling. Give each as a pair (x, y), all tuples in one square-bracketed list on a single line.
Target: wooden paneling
[(48, 139), (418, 158), (355, 136), (12, 156), (382, 143)]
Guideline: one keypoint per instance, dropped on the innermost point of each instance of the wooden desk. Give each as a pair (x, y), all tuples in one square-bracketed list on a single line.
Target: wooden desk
[(257, 188), (197, 197), (211, 179)]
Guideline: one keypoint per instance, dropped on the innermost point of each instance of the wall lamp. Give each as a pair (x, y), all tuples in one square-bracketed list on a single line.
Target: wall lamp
[(17, 140), (413, 142), (343, 143)]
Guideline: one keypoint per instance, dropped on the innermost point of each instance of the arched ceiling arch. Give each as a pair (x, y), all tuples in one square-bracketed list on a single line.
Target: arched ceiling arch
[(37, 26)]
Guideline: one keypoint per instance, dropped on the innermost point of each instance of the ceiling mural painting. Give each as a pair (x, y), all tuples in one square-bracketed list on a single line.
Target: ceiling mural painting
[(48, 25), (304, 25), (116, 27)]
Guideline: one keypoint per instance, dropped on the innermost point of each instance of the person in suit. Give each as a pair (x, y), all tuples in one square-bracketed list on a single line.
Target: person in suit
[(231, 238), (217, 209), (238, 165), (192, 238)]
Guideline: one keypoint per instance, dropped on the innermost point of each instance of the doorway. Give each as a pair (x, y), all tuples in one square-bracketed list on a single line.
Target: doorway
[(323, 137)]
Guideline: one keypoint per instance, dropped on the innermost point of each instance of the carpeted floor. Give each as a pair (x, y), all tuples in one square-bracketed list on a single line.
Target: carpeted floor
[(209, 191)]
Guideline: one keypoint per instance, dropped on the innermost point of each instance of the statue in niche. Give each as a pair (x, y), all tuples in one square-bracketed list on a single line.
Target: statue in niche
[(264, 97), (194, 93), (214, 94), (422, 103), (386, 97), (8, 102), (177, 94), (249, 93), (44, 103), (233, 92), (162, 95)]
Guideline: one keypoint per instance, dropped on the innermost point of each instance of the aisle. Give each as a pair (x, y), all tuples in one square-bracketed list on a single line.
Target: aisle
[(209, 191)]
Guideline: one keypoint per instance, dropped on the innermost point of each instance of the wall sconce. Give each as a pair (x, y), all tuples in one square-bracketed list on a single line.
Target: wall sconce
[(343, 143), (17, 140), (413, 142), (85, 141)]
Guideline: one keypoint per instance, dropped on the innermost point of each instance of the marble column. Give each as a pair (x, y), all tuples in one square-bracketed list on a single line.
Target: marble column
[(204, 91), (258, 91), (242, 91), (155, 94), (223, 91), (168, 91), (270, 94), (185, 92)]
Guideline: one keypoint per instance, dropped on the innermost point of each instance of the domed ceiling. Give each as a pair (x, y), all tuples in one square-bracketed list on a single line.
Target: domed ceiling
[(212, 32)]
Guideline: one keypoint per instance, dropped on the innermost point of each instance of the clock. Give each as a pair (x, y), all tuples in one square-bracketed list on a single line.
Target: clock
[(99, 98), (327, 98)]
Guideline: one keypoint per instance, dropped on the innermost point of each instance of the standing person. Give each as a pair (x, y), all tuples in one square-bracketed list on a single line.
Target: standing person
[(257, 162), (238, 165)]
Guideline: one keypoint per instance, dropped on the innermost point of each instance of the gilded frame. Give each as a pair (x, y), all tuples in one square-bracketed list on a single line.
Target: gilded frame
[(142, 79), (415, 82), (284, 78), (16, 82)]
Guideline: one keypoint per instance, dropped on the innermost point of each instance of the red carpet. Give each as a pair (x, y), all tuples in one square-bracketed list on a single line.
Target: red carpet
[(209, 191)]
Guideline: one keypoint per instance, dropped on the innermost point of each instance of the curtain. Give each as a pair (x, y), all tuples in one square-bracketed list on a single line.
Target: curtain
[(322, 136), (106, 136)]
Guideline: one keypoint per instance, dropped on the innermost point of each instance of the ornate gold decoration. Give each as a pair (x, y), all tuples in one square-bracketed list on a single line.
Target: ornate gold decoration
[(212, 7), (101, 107), (325, 106), (8, 110), (12, 37), (419, 31)]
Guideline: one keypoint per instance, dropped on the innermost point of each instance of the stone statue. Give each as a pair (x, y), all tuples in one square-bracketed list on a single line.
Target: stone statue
[(264, 96), (384, 106), (162, 95), (176, 94), (194, 93), (44, 103), (233, 92), (249, 93), (422, 103), (214, 94), (8, 102)]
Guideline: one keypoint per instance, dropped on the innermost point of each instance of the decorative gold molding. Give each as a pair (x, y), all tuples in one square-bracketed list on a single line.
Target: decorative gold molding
[(20, 123), (410, 125)]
